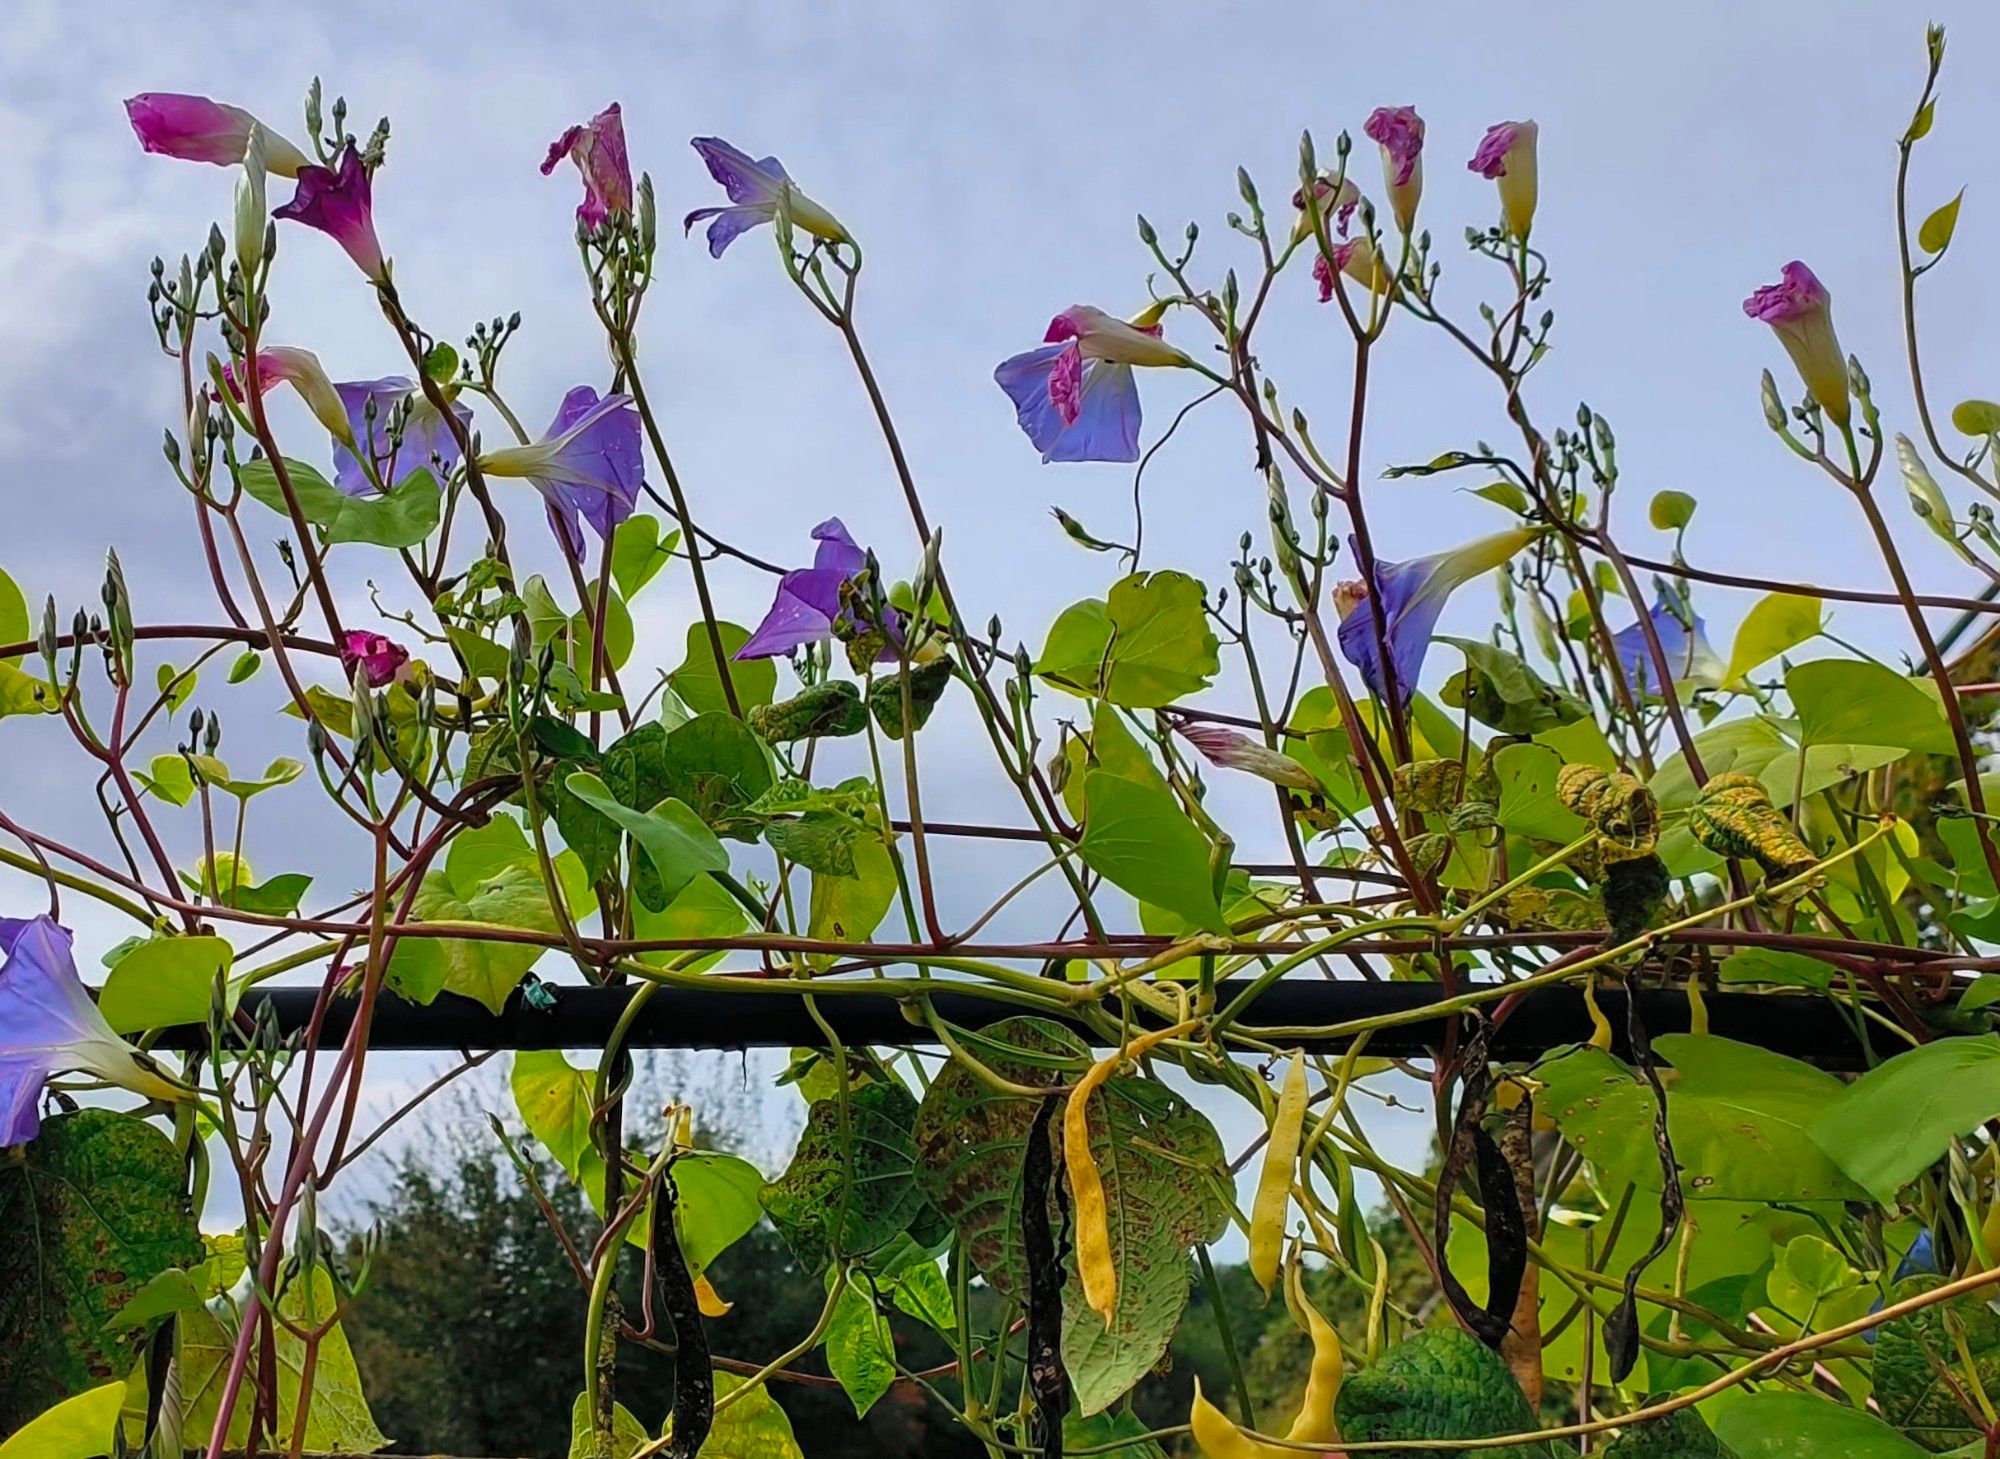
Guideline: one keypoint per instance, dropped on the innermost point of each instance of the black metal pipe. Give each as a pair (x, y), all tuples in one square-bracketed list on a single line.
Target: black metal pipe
[(1805, 1027)]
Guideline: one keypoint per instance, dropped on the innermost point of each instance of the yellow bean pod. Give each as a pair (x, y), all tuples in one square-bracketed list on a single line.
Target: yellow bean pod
[(709, 1300), (1217, 1437), (1600, 1026), (1094, 1262), (1274, 1183), (1315, 1424)]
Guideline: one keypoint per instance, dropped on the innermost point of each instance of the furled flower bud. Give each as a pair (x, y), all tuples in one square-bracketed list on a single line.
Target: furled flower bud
[(250, 203), (1232, 751), (302, 370), (1800, 310), (1507, 155), (1399, 131)]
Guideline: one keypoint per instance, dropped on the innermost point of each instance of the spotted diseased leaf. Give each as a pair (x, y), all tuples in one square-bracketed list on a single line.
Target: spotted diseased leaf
[(848, 1191), (1911, 1351), (1680, 1435), (1162, 1167), (1442, 1383), (90, 1212)]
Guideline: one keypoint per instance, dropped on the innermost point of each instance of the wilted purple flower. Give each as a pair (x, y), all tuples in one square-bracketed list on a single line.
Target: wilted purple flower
[(598, 149), (1507, 155), (427, 442), (1336, 205), (588, 467), (1399, 131), (1075, 397), (49, 1025), (1232, 751), (755, 189), (808, 599), (196, 129), (380, 658), (1689, 657), (1800, 311), (1413, 594), (339, 202), (1360, 260)]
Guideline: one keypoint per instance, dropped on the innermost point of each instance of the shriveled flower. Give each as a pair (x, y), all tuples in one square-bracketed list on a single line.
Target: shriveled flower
[(378, 657), (196, 129), (808, 598), (1336, 205), (1233, 751), (756, 188), (588, 467), (1800, 310), (1413, 594), (1361, 261), (426, 444), (340, 203), (598, 149), (1076, 397), (1507, 156), (1689, 656), (301, 369), (1399, 132), (49, 1026)]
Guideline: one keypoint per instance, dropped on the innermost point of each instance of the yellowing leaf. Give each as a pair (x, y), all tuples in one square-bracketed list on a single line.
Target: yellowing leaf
[(1778, 622), (1935, 235)]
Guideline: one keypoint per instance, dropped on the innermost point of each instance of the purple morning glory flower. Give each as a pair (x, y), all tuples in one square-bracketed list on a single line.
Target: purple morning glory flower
[(755, 188), (808, 600), (339, 202), (588, 467), (1800, 311), (196, 129), (1076, 397), (1413, 594), (1688, 654), (49, 1025), (427, 442), (598, 149)]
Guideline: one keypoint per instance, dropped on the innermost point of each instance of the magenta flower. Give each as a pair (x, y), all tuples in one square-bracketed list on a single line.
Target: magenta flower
[(1413, 594), (1506, 155), (338, 202), (755, 188), (598, 149), (427, 442), (1800, 310), (588, 467), (1399, 131), (808, 601), (1232, 751), (1689, 657), (301, 369), (195, 129), (1359, 259), (49, 1025), (378, 657), (1075, 397), (1336, 205)]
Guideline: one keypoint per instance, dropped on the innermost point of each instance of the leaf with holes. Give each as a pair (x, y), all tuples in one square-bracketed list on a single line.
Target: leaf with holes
[(89, 1214)]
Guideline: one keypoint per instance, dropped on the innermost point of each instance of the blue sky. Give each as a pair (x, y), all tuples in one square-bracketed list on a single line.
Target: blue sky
[(991, 159)]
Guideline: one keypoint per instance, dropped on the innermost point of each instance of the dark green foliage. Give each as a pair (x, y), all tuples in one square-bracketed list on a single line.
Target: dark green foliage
[(1443, 1383)]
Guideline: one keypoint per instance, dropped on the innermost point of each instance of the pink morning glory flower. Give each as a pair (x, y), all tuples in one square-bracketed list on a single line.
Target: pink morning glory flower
[(588, 467), (301, 369), (1336, 206), (1399, 131), (49, 1026), (1075, 397), (756, 187), (1359, 259), (1688, 654), (1413, 595), (1232, 751), (378, 657), (598, 149), (338, 201), (1507, 156), (195, 129), (1800, 310), (427, 442), (808, 600)]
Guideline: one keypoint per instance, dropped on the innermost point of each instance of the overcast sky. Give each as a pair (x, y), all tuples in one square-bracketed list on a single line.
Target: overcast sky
[(990, 159)]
